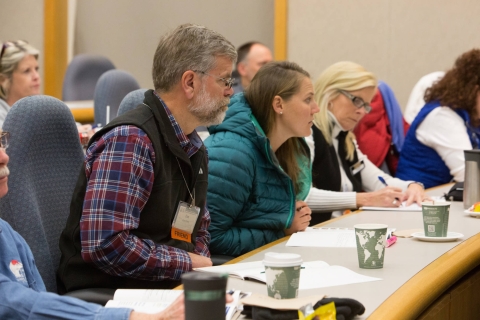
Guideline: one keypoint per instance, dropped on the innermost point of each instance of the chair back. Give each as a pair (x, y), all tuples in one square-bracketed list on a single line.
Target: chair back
[(131, 100), (45, 161), (111, 88), (82, 75)]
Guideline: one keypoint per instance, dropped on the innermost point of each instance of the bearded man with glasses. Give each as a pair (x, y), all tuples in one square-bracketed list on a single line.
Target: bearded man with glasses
[(138, 216)]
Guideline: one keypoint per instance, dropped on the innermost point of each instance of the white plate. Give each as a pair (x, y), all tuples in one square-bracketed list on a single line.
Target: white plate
[(451, 236), (472, 213)]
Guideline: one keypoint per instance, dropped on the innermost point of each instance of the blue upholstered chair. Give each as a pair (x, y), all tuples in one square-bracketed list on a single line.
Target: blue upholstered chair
[(82, 75), (45, 160), (131, 100), (111, 88)]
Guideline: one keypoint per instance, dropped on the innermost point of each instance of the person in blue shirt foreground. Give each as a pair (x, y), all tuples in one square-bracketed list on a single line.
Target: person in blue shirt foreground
[(22, 291)]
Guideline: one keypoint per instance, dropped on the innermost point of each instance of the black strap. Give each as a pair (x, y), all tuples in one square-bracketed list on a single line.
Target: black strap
[(342, 153)]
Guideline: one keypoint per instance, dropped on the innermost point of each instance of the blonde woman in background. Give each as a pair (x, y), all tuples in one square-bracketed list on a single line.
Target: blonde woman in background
[(19, 78), (19, 75), (343, 93)]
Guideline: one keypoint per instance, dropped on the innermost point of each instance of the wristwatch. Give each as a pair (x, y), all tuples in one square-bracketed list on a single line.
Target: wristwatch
[(417, 182)]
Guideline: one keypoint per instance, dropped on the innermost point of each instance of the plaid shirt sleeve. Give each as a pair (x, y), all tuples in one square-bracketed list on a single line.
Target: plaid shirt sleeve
[(203, 236), (119, 169)]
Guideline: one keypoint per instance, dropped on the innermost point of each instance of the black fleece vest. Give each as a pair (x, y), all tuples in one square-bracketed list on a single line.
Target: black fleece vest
[(326, 169), (156, 218)]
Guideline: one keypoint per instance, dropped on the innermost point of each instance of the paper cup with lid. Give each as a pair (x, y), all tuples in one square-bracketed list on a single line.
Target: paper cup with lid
[(282, 271)]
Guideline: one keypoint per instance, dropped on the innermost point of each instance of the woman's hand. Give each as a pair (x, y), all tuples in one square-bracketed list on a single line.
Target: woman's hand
[(386, 197), (415, 193), (302, 218)]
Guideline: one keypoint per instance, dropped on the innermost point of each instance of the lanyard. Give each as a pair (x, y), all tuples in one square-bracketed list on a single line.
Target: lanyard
[(186, 185)]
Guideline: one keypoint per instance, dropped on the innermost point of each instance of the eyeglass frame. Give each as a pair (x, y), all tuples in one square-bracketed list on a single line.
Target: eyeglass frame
[(7, 44), (365, 105), (4, 136), (229, 83)]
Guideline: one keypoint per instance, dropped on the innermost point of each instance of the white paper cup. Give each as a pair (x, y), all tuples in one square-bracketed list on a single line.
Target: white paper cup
[(435, 218), (371, 239), (282, 271)]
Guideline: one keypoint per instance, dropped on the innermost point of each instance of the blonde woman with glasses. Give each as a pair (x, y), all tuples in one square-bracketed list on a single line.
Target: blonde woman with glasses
[(343, 93), (19, 75)]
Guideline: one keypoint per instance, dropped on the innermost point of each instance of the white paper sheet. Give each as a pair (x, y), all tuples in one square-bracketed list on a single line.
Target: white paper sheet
[(330, 277), (325, 237), (314, 274), (413, 207)]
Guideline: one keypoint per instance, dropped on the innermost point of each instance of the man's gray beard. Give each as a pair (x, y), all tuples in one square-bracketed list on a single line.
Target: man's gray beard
[(207, 110), (4, 172)]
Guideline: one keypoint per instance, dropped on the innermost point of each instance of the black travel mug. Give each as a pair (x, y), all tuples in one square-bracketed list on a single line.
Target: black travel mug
[(204, 295)]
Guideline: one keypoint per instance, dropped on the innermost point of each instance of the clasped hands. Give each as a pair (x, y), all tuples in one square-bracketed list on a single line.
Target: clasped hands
[(301, 220)]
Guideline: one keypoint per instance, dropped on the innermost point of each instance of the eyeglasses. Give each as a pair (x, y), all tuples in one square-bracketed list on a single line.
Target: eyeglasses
[(4, 136), (228, 82), (7, 44), (357, 101)]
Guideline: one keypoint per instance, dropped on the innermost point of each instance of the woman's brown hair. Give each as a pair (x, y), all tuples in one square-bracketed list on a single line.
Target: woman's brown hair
[(283, 79), (458, 88)]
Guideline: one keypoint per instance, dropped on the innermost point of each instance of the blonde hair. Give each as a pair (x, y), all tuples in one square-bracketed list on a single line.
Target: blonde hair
[(279, 78), (345, 75), (13, 53)]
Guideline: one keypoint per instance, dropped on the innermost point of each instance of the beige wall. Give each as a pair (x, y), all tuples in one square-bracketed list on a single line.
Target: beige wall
[(399, 41), (23, 19), (128, 31)]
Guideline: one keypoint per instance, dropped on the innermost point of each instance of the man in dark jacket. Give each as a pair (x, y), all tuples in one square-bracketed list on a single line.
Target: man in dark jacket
[(138, 217)]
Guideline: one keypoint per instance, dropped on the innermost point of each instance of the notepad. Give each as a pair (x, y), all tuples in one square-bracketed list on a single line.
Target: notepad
[(314, 274), (413, 207), (143, 300)]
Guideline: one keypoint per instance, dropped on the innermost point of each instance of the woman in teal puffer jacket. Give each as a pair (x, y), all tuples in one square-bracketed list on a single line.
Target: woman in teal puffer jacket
[(259, 163)]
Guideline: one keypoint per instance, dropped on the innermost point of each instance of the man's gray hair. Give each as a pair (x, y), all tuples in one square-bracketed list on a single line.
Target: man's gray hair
[(188, 47)]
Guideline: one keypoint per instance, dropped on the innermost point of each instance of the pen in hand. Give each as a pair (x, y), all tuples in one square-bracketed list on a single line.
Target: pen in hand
[(382, 180)]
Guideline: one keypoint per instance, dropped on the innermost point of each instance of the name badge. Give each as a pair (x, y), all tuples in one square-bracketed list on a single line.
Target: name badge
[(357, 167), (184, 221)]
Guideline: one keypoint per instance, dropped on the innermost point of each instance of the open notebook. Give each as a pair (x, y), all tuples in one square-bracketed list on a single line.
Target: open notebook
[(143, 300), (314, 274), (155, 300)]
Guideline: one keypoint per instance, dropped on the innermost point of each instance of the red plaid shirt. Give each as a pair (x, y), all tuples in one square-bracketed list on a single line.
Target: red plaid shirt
[(119, 169)]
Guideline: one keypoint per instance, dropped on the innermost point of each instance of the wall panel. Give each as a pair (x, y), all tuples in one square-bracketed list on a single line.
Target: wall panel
[(128, 31), (398, 40), (23, 19)]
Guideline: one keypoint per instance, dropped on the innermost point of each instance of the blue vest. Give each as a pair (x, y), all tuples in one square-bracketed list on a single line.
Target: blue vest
[(419, 162)]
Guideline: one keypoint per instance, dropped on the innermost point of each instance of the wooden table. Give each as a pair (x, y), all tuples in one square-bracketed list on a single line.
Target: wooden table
[(82, 110), (425, 280)]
